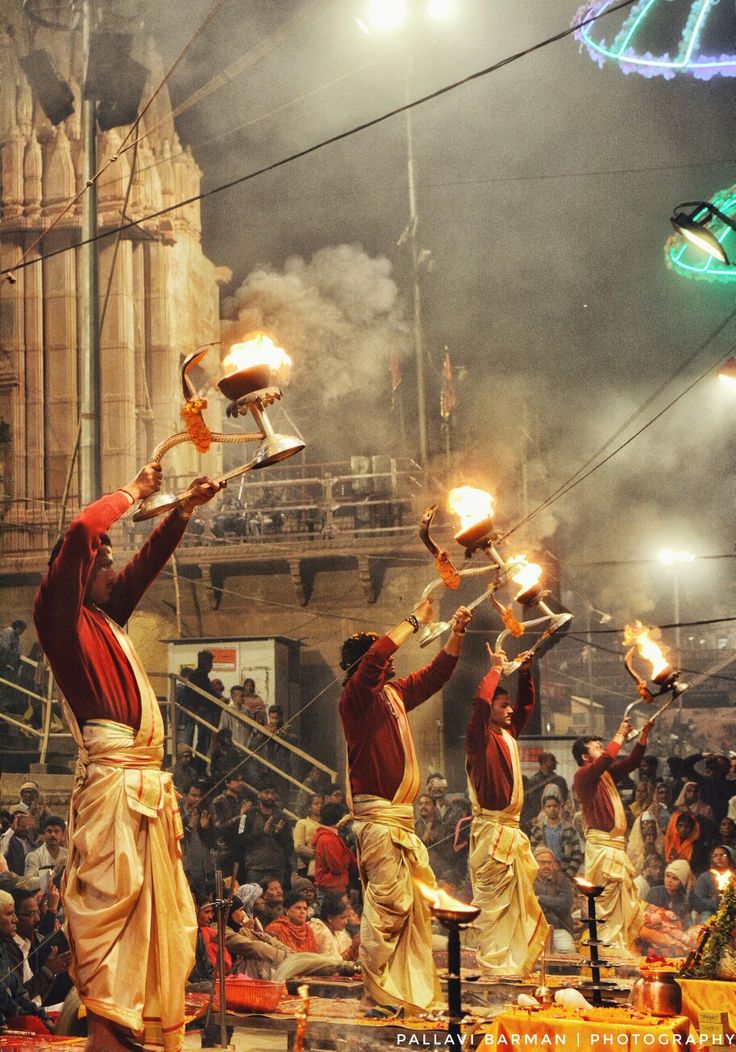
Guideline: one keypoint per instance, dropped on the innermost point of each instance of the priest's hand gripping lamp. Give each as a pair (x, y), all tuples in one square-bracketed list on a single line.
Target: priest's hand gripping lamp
[(475, 508), (253, 371), (638, 638)]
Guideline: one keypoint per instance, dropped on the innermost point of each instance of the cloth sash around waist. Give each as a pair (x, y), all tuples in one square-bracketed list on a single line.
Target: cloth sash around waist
[(605, 856), (498, 832), (108, 744), (398, 817)]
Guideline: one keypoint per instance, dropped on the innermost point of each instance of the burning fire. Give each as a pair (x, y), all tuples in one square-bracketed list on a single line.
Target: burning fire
[(258, 349), (722, 878), (438, 899), (527, 575), (472, 505), (637, 635)]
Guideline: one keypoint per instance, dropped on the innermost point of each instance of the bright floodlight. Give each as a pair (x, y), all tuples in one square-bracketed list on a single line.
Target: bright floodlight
[(386, 15), (727, 374), (695, 229), (440, 10), (669, 556)]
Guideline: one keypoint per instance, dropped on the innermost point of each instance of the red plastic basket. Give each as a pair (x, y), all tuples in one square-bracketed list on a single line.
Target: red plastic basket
[(249, 995)]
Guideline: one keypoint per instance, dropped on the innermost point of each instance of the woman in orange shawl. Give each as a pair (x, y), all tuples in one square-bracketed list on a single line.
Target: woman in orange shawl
[(682, 833), (292, 929)]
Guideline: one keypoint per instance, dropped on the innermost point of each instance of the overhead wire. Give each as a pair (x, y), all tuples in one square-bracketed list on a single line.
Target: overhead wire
[(339, 136)]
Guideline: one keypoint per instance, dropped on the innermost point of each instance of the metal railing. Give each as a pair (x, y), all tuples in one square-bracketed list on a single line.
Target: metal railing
[(47, 702), (256, 728), (307, 501)]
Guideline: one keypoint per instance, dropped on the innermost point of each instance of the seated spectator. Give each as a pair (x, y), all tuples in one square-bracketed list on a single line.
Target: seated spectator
[(333, 859), (206, 949), (690, 802), (433, 833), (49, 858), (645, 839), (17, 1010), (554, 894), (681, 839), (648, 769), (661, 805), (334, 794), (21, 843), (552, 831), (449, 810), (308, 890), (254, 952), (330, 928), (185, 774), (33, 804), (727, 832), (652, 874), (534, 788), (43, 958), (642, 797), (270, 906), (707, 893), (675, 894), (224, 757), (304, 831), (292, 929)]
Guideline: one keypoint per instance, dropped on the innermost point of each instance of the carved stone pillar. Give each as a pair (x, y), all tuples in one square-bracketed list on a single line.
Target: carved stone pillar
[(61, 394), (117, 354)]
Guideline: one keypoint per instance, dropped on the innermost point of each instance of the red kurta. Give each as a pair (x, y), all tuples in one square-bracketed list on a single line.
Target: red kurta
[(375, 753), (93, 673), (489, 763), (596, 806), (332, 860)]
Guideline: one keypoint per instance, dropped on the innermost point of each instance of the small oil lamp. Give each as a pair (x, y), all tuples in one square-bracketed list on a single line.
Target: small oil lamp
[(528, 577), (453, 915), (253, 371), (639, 640), (475, 509)]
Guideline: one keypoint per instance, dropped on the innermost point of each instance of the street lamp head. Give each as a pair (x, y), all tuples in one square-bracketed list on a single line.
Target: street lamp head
[(695, 227)]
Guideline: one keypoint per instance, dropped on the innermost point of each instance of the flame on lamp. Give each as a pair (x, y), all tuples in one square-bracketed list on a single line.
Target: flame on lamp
[(472, 505), (527, 575), (257, 349), (722, 878), (637, 635), (438, 899)]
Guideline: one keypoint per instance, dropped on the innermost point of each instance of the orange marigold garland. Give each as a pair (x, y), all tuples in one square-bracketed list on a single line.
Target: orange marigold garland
[(199, 433), (448, 573)]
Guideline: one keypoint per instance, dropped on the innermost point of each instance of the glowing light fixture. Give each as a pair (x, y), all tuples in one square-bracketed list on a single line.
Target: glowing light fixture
[(727, 375), (694, 45), (704, 244), (695, 227), (386, 15)]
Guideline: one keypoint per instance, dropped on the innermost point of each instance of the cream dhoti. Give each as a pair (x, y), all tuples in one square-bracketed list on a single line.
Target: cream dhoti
[(619, 908), (129, 913), (396, 928), (502, 867)]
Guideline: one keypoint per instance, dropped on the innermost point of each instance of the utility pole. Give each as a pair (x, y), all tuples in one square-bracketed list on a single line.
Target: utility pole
[(90, 444)]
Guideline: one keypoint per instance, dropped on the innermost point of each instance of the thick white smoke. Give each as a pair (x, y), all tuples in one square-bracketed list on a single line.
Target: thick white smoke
[(337, 314)]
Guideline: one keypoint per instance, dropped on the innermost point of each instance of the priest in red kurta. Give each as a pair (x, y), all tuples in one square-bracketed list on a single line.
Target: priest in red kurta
[(130, 920), (383, 783), (619, 907), (502, 867)]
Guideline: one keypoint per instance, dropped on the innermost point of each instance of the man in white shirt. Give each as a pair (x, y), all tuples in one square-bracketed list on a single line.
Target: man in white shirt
[(43, 860)]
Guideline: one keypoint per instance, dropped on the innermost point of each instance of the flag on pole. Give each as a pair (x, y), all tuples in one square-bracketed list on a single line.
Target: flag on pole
[(448, 397)]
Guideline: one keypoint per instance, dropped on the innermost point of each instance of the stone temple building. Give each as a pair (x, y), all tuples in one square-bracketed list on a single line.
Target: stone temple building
[(158, 291)]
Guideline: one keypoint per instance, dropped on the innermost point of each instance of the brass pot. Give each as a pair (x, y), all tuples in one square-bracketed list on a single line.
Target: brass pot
[(657, 993)]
